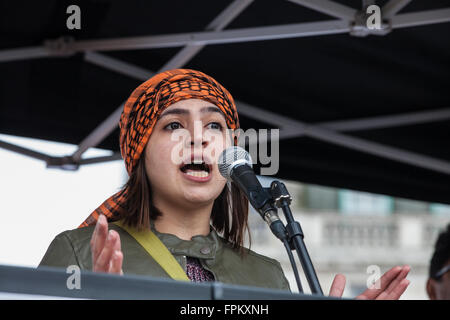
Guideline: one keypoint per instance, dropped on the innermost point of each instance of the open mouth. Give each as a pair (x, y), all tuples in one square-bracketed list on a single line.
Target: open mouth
[(201, 170)]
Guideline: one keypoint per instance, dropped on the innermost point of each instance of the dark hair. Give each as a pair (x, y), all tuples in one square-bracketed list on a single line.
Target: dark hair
[(229, 216), (441, 253)]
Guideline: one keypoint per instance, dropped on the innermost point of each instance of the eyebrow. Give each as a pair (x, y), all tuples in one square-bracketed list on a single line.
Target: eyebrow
[(181, 111)]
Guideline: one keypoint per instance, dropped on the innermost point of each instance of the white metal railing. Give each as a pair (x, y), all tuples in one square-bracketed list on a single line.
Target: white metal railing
[(334, 230), (359, 233)]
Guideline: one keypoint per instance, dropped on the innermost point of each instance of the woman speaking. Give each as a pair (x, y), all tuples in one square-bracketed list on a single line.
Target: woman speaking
[(177, 216)]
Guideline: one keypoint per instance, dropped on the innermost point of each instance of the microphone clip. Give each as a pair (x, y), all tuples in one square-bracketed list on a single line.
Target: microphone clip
[(280, 194)]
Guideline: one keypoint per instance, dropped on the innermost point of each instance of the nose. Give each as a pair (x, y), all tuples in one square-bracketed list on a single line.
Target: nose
[(198, 137), (198, 142)]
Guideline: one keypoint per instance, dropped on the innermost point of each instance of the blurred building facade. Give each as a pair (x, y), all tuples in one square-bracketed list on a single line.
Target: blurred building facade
[(352, 233)]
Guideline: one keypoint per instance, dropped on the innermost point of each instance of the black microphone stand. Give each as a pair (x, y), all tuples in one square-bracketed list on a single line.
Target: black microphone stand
[(282, 199)]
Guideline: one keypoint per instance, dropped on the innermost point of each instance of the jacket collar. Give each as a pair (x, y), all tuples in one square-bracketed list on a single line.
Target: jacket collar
[(203, 247)]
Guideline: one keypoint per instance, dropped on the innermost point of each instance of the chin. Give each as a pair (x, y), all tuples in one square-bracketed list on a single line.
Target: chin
[(200, 197)]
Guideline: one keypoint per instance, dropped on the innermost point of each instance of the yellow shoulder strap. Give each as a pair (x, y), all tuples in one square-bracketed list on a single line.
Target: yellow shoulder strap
[(157, 251)]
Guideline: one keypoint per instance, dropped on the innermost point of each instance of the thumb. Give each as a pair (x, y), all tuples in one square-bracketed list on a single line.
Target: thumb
[(338, 286)]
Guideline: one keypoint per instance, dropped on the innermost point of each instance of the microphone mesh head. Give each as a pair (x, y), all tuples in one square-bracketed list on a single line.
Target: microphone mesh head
[(230, 157)]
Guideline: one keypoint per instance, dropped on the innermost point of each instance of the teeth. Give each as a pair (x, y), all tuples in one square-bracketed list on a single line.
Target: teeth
[(200, 174)]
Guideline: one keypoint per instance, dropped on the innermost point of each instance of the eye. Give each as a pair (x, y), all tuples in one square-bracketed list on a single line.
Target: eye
[(173, 126), (214, 125)]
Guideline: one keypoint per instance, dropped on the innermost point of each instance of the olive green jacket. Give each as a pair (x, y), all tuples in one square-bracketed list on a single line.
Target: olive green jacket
[(72, 247)]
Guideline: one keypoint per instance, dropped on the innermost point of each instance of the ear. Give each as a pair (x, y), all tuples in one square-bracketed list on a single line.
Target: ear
[(431, 289)]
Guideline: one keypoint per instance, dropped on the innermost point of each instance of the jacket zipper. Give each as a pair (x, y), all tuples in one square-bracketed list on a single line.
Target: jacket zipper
[(184, 263)]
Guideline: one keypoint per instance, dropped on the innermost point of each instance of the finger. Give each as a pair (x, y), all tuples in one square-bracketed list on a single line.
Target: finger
[(104, 259), (396, 292), (338, 286), (94, 236), (117, 257), (388, 277), (97, 226), (99, 238), (116, 262), (117, 245), (402, 275), (399, 290), (382, 283), (94, 240)]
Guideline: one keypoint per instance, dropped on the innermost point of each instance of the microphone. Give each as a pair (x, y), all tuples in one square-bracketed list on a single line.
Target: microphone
[(235, 164)]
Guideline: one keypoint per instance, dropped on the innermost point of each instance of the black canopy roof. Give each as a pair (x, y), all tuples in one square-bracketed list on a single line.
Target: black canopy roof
[(320, 80)]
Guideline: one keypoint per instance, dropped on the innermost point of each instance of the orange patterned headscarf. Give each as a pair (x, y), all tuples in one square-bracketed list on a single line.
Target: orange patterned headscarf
[(141, 112)]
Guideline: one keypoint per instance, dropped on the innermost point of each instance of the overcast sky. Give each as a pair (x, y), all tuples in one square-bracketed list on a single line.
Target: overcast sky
[(37, 203)]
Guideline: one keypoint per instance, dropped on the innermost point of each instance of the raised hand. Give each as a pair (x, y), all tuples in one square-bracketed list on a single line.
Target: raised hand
[(107, 255), (391, 285)]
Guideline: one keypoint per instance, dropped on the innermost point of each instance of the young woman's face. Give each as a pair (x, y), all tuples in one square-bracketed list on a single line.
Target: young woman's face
[(181, 155)]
